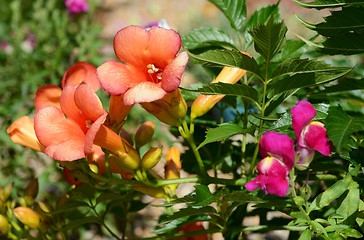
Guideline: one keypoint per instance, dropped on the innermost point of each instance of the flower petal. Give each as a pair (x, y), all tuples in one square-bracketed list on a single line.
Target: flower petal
[(278, 145), (69, 107), (91, 134), (131, 44), (144, 92), (277, 185), (116, 78), (316, 138), (88, 102), (302, 115), (48, 95), (62, 137), (172, 74), (81, 72), (164, 44)]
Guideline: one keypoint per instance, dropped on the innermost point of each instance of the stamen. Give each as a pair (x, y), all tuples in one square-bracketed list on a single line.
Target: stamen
[(152, 68)]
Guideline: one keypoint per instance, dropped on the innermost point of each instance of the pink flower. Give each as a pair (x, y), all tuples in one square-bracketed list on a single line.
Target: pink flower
[(278, 153), (76, 6), (310, 135), (151, 70)]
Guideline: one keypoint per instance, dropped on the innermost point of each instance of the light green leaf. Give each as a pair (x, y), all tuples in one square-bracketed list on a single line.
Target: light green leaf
[(222, 132), (244, 91), (269, 38), (319, 4), (340, 126), (206, 37), (306, 235), (302, 80), (292, 49), (204, 197), (234, 10), (349, 207), (351, 233), (296, 65), (213, 58), (332, 193)]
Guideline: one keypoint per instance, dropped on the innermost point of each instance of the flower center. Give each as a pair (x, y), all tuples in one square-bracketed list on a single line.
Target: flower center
[(155, 73)]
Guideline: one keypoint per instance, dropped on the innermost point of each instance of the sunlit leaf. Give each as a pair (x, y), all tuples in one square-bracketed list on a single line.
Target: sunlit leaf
[(205, 37), (327, 3), (269, 38), (349, 207), (306, 235), (222, 132), (340, 126), (213, 58), (204, 197), (234, 10)]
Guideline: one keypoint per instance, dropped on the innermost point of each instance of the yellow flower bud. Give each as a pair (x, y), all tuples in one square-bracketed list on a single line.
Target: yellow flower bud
[(94, 167), (125, 135), (126, 161), (5, 194), (153, 192), (204, 103), (174, 155), (176, 104), (173, 167), (151, 158), (160, 111), (144, 134), (4, 225), (27, 216), (31, 192)]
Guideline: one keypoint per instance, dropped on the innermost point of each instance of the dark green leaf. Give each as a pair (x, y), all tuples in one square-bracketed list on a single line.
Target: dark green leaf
[(78, 222), (184, 212), (204, 197), (109, 196), (185, 199), (348, 43), (292, 49), (71, 206), (241, 197), (222, 132), (260, 16), (302, 80), (206, 37), (339, 22), (296, 65), (340, 126), (332, 193), (268, 39), (228, 58), (234, 10), (244, 91), (319, 4), (346, 84)]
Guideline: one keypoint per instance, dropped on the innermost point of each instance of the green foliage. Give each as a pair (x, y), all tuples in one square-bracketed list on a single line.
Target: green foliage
[(235, 11)]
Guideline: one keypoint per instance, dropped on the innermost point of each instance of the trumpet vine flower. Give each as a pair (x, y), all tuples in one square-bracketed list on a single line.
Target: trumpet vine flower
[(310, 135), (152, 67), (278, 159)]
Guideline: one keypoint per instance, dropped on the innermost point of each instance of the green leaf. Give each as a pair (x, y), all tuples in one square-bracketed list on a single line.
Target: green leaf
[(185, 199), (234, 10), (306, 235), (346, 84), (109, 196), (213, 58), (351, 233), (292, 49), (349, 207), (206, 37), (332, 193), (302, 80), (71, 206), (340, 126), (204, 197), (260, 16), (184, 212), (242, 197), (268, 39), (222, 132), (79, 222), (339, 22), (319, 4), (244, 91), (296, 65), (348, 43)]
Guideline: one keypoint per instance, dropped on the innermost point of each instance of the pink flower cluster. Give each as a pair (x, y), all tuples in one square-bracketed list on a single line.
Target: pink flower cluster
[(279, 153), (76, 6)]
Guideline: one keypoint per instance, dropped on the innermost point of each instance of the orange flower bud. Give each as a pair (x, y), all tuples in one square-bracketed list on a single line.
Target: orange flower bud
[(27, 216), (125, 135), (126, 161), (174, 155), (204, 103), (176, 104), (144, 134), (22, 132), (4, 225), (31, 192), (151, 158), (173, 167), (153, 192)]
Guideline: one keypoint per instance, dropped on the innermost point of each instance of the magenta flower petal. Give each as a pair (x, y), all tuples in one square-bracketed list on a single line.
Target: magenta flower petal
[(278, 145), (306, 157), (316, 138), (143, 92), (277, 185), (256, 183), (302, 115), (172, 74)]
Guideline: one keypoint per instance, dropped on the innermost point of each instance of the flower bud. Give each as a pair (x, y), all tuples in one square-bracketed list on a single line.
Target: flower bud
[(174, 155), (153, 192), (126, 161), (4, 225), (204, 103), (176, 104), (31, 192), (117, 112), (7, 191), (27, 216), (160, 111), (173, 167), (125, 135), (151, 158), (94, 167), (144, 134)]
